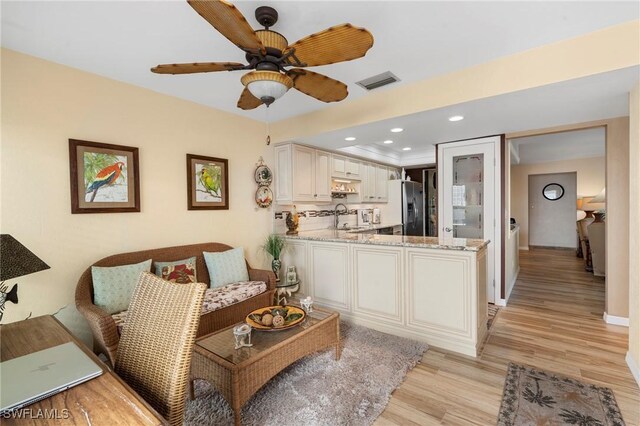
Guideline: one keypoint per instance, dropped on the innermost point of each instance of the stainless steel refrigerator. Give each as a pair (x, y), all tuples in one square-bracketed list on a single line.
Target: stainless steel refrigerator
[(405, 205)]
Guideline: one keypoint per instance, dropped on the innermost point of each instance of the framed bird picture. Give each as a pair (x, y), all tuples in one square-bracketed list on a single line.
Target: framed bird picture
[(207, 183), (105, 178)]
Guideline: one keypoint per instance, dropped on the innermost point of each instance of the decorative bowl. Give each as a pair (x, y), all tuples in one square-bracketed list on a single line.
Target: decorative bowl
[(292, 316)]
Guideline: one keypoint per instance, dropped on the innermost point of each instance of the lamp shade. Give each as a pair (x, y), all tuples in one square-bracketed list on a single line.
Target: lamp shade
[(601, 197), (267, 85), (16, 260), (584, 204)]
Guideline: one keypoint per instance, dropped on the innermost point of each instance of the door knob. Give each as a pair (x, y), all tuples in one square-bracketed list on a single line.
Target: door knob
[(448, 229)]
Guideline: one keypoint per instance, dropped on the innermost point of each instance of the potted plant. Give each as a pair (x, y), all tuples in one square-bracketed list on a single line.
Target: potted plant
[(274, 245)]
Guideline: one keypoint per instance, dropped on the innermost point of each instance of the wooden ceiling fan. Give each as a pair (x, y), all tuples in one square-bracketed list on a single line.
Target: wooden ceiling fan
[(269, 55)]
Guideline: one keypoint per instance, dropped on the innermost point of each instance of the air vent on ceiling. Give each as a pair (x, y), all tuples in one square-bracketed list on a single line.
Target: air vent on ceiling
[(378, 80)]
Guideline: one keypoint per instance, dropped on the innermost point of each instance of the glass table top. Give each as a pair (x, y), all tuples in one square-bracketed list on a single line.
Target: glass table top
[(222, 343)]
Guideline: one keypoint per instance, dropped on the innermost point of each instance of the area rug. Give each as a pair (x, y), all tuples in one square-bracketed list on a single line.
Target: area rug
[(536, 397), (318, 390)]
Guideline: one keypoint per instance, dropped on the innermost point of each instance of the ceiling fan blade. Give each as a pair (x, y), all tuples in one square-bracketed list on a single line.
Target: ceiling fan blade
[(248, 101), (318, 86), (228, 20), (196, 67), (336, 44)]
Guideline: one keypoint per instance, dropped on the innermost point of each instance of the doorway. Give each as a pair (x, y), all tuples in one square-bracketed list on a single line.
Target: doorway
[(552, 210)]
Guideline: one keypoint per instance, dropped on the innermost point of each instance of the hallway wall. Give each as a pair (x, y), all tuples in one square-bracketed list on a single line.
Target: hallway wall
[(590, 174), (633, 358)]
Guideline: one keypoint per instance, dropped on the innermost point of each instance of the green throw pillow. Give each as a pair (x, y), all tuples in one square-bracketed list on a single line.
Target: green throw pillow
[(226, 267), (113, 286), (160, 265)]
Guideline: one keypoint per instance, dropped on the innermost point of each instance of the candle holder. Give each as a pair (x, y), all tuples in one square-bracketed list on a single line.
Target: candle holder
[(307, 304), (242, 335)]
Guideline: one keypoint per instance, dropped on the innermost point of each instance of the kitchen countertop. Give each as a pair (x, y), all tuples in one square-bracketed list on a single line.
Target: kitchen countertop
[(368, 227), (340, 236)]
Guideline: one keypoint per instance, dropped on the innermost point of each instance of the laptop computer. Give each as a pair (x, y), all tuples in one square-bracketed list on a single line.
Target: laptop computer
[(31, 378)]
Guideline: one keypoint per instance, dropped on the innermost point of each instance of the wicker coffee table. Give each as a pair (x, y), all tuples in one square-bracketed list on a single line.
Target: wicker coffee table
[(240, 373)]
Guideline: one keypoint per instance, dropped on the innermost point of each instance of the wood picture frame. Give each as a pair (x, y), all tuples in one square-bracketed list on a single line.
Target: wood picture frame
[(207, 183), (105, 178)]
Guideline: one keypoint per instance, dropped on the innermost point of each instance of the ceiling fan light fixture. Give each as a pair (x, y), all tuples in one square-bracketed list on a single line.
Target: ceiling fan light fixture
[(267, 85)]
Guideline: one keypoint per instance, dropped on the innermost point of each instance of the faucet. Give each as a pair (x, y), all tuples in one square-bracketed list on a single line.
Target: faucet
[(335, 214)]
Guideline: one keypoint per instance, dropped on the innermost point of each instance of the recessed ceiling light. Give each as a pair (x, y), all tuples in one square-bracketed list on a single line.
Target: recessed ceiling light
[(350, 138), (397, 129), (456, 118), (406, 148), (388, 141)]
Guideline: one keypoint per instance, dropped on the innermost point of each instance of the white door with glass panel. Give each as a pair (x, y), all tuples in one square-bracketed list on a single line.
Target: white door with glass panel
[(467, 193)]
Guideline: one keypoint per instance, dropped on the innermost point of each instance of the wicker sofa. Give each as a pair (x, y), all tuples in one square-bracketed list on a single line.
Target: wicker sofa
[(103, 326)]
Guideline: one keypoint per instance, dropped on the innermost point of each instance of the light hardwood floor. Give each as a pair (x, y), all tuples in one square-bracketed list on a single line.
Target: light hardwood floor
[(553, 322)]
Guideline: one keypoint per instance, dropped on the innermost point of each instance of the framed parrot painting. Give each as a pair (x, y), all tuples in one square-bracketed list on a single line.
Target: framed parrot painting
[(207, 183), (104, 177)]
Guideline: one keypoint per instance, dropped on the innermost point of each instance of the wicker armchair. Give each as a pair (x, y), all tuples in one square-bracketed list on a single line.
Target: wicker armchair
[(103, 327), (154, 354)]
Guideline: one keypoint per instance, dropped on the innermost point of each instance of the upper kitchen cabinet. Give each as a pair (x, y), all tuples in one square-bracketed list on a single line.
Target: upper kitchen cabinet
[(302, 175), (382, 177), (345, 167)]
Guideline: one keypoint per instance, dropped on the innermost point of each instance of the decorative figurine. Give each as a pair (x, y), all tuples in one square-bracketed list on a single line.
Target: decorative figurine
[(292, 276), (292, 221), (242, 334), (307, 304)]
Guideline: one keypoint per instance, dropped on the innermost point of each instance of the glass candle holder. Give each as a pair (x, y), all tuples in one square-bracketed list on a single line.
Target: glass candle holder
[(307, 304), (242, 335)]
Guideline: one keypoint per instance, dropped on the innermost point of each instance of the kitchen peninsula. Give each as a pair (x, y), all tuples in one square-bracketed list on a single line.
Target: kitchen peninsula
[(426, 288)]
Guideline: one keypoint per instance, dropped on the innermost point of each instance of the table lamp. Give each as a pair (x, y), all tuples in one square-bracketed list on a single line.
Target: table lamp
[(15, 261), (598, 205)]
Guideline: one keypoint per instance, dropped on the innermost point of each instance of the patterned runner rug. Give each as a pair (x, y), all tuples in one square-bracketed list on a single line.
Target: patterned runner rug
[(318, 390), (536, 397)]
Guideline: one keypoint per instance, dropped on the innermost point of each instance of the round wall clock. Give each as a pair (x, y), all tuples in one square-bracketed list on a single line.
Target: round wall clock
[(264, 197), (263, 175)]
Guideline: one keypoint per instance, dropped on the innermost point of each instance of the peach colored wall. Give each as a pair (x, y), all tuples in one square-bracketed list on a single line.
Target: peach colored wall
[(590, 174), (617, 222), (633, 358), (45, 104)]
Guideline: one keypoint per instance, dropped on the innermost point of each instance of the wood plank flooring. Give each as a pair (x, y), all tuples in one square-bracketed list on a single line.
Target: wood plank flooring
[(553, 322)]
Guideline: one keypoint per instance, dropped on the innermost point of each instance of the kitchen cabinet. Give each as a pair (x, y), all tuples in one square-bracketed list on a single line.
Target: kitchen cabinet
[(369, 183), (437, 295), (345, 167), (382, 177), (329, 274), (377, 282), (302, 175)]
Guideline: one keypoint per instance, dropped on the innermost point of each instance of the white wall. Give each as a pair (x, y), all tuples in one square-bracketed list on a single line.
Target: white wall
[(43, 105), (552, 223), (590, 173)]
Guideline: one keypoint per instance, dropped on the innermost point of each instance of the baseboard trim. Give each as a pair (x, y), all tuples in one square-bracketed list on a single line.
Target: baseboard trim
[(512, 284), (610, 319), (524, 248), (635, 369), (500, 302)]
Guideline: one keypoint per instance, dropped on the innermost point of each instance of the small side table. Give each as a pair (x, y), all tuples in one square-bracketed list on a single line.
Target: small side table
[(284, 290)]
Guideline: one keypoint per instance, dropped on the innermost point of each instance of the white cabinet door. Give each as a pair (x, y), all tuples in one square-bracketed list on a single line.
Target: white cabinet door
[(381, 184), (322, 179), (338, 166), (283, 181), (369, 183), (329, 274), (377, 282), (352, 168), (303, 173)]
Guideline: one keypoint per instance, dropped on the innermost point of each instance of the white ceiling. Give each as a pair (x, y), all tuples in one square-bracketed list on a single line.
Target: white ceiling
[(561, 146), (580, 100), (415, 40)]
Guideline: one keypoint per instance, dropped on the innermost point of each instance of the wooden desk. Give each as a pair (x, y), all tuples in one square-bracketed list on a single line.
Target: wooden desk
[(104, 400)]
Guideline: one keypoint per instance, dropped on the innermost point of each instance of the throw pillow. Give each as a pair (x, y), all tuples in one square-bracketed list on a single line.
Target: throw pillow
[(113, 286), (160, 265), (226, 267), (181, 274)]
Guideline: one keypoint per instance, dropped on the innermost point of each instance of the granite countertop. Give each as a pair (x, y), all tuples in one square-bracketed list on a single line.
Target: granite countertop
[(340, 236), (368, 227)]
